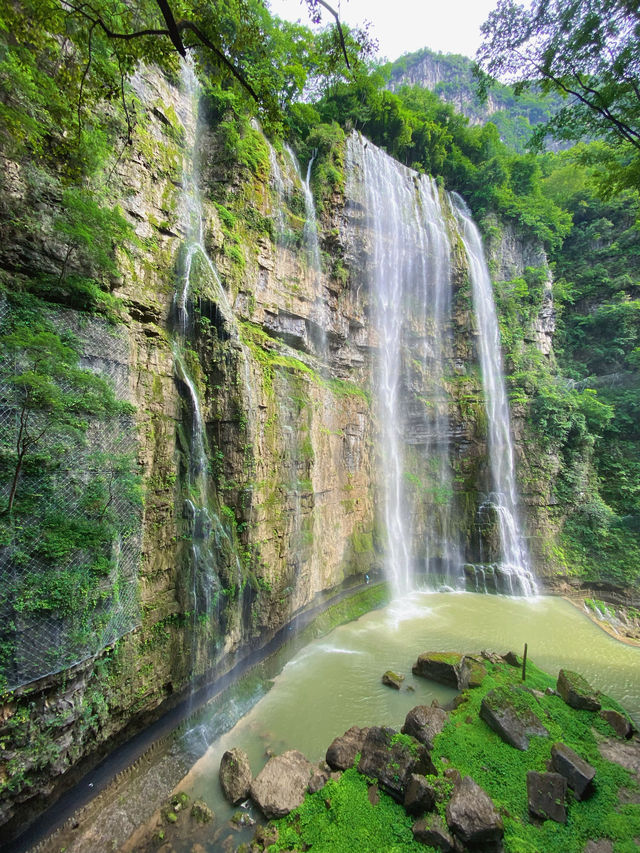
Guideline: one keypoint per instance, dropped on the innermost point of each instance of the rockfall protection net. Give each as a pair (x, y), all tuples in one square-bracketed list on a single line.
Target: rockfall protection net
[(70, 553)]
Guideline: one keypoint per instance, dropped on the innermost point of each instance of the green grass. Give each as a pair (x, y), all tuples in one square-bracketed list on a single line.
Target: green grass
[(340, 819), (501, 770)]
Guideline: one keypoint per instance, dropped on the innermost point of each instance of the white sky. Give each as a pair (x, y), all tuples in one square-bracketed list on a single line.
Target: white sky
[(402, 26)]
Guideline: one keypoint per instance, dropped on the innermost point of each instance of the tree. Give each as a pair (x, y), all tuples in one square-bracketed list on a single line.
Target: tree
[(586, 50), (49, 393)]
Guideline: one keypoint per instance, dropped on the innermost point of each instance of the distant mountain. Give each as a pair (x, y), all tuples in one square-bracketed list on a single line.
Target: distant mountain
[(450, 76)]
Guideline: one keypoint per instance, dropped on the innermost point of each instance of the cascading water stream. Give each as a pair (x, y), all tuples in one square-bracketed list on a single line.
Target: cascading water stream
[(211, 545), (409, 277), (320, 315), (443, 553), (503, 500), (409, 274)]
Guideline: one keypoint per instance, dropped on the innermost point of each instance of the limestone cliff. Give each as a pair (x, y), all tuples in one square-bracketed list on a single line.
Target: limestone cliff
[(259, 349)]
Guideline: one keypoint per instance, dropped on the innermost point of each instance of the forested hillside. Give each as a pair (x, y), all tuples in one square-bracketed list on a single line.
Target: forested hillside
[(456, 81)]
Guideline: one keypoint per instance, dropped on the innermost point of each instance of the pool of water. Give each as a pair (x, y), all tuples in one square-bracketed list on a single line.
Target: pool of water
[(335, 682), (306, 697)]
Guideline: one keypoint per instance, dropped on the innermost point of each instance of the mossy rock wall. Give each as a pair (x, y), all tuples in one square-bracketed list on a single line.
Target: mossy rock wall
[(279, 353)]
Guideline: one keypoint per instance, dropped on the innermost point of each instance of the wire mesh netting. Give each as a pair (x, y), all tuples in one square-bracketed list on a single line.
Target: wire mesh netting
[(70, 548)]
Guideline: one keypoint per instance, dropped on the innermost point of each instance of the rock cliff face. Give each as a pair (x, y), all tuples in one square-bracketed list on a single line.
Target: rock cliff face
[(271, 374)]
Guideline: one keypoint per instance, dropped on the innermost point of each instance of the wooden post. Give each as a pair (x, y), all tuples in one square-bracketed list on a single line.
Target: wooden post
[(524, 663)]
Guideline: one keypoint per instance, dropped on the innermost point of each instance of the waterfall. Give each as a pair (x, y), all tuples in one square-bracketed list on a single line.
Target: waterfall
[(212, 550), (319, 315), (408, 272), (404, 228), (503, 499)]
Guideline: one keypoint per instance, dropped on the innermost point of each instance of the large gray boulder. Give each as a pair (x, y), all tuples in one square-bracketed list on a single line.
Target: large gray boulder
[(547, 793), (576, 691), (419, 795), (472, 816), (439, 666), (281, 785), (424, 722), (235, 775), (343, 750), (505, 714), (433, 832), (578, 772), (618, 722), (391, 759)]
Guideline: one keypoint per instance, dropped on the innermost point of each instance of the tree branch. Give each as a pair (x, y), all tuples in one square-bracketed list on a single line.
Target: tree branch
[(340, 32), (626, 132), (174, 32), (189, 25)]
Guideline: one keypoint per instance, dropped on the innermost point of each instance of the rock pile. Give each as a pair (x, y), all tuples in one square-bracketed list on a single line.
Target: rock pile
[(451, 812)]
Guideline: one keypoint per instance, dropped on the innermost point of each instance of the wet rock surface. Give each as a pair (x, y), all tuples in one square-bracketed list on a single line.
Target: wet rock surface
[(235, 775), (618, 722), (282, 784), (343, 749), (576, 691), (392, 761), (473, 818), (578, 772), (439, 666), (419, 795), (424, 722), (392, 679), (433, 832), (502, 711)]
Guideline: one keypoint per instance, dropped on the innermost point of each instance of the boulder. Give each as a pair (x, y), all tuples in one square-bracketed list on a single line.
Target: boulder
[(546, 793), (618, 722), (318, 780), (576, 691), (433, 832), (439, 666), (392, 679), (503, 711), (281, 785), (343, 750), (424, 722), (472, 816), (602, 845), (235, 775), (419, 795), (578, 773), (201, 812), (471, 673), (391, 759), (512, 659)]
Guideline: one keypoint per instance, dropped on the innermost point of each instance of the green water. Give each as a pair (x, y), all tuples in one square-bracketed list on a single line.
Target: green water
[(334, 683)]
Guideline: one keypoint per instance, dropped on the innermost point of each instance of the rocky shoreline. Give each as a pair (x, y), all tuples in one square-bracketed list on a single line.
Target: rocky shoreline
[(509, 762)]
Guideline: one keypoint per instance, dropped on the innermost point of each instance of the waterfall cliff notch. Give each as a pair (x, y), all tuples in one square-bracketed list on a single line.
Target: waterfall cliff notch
[(417, 247)]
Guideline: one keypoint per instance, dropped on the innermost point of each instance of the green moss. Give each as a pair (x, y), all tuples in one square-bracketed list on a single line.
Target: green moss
[(475, 750), (340, 818), (347, 610), (266, 351), (362, 542)]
